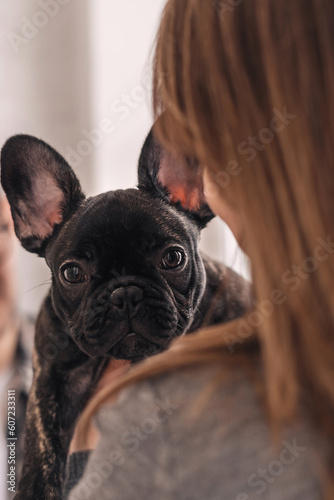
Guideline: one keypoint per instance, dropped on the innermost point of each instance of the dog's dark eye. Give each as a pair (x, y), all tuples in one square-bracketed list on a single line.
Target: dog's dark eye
[(74, 274), (172, 259)]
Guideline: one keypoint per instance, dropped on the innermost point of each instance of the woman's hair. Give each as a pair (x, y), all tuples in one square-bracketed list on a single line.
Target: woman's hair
[(248, 90)]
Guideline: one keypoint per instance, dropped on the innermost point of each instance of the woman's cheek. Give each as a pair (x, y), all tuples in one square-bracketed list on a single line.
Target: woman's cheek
[(219, 205)]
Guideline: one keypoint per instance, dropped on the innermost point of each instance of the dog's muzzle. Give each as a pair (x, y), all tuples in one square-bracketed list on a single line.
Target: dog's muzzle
[(126, 316)]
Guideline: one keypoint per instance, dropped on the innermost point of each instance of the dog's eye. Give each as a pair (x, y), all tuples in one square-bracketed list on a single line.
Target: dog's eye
[(172, 259), (74, 274)]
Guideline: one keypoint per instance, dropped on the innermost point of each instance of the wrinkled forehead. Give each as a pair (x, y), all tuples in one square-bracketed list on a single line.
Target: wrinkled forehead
[(124, 219)]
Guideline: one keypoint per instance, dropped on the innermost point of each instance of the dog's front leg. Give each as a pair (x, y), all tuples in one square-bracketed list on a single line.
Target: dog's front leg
[(45, 449), (56, 398)]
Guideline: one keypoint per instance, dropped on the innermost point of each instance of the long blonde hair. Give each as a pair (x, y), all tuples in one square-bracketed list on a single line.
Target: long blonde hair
[(247, 89)]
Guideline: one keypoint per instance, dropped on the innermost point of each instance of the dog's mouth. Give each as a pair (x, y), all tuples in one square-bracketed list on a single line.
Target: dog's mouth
[(135, 347), (132, 346)]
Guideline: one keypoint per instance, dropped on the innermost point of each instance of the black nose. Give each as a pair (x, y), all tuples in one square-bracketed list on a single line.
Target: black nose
[(127, 297)]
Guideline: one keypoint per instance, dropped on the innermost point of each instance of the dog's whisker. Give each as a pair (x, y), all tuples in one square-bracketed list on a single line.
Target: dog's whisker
[(46, 282)]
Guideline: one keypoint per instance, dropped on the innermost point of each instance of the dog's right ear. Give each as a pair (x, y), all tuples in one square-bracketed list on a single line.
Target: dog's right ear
[(42, 189), (179, 184)]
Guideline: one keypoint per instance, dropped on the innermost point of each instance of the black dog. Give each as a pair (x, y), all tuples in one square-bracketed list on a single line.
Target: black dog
[(127, 278)]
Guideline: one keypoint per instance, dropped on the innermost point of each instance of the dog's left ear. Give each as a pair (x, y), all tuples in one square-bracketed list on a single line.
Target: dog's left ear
[(181, 185)]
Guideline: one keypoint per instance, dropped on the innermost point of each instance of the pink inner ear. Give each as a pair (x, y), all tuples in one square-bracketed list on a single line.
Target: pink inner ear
[(190, 200), (184, 183), (54, 218), (43, 211), (48, 199)]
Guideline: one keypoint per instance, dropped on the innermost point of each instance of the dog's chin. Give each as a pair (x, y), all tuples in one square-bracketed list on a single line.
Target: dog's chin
[(134, 347)]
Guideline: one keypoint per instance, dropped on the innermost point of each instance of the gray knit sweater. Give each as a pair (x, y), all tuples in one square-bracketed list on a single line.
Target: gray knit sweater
[(156, 444)]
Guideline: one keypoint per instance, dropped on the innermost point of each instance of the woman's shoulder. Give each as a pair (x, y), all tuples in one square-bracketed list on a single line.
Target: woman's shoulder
[(184, 393), (194, 424)]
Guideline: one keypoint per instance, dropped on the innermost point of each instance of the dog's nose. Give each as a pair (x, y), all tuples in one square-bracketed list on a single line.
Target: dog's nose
[(118, 297), (129, 296), (135, 295)]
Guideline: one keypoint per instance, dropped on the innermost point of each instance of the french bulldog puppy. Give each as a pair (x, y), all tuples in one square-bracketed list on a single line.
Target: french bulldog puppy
[(127, 278)]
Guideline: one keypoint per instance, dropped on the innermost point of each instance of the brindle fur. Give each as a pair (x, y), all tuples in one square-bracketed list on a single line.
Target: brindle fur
[(80, 329)]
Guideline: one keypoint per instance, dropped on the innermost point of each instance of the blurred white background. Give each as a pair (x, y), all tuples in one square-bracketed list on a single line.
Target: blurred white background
[(76, 73)]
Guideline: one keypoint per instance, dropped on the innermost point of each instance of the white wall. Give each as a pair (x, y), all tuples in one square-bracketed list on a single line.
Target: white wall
[(85, 66), (44, 91), (122, 36)]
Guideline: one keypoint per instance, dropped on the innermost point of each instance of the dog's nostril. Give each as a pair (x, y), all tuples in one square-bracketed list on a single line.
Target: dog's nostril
[(118, 297), (135, 295), (131, 296)]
